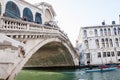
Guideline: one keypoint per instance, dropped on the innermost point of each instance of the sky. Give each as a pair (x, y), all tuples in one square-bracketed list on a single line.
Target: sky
[(73, 14)]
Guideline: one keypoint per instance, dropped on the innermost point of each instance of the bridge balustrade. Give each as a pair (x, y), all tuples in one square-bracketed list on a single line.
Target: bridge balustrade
[(11, 24)]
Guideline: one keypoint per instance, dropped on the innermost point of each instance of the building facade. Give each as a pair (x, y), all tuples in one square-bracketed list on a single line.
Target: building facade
[(99, 44)]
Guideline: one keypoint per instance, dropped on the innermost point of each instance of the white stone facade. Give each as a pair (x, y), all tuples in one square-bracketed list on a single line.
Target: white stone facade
[(99, 44)]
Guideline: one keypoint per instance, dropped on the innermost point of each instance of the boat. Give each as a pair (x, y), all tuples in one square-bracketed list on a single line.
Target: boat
[(101, 69), (118, 66)]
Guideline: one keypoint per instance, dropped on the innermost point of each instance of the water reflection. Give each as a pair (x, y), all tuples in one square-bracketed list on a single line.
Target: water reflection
[(110, 75), (68, 75)]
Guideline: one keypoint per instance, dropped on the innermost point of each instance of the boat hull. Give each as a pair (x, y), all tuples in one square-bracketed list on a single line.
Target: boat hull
[(101, 70)]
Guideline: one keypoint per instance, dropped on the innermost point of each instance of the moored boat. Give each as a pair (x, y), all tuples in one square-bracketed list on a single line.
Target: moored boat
[(118, 66), (101, 69)]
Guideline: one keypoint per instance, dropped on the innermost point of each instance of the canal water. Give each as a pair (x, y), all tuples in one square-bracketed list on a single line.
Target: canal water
[(67, 75)]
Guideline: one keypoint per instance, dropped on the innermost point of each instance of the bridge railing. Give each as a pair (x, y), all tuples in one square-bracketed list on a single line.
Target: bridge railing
[(20, 25), (10, 24)]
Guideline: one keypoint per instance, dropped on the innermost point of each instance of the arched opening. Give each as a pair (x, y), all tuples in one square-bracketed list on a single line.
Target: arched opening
[(51, 54), (107, 45), (101, 32), (99, 54), (48, 16), (109, 32), (38, 18), (27, 15), (85, 33), (111, 43), (96, 33), (119, 31), (12, 10), (115, 32), (116, 42), (97, 43), (86, 44), (105, 32), (103, 43)]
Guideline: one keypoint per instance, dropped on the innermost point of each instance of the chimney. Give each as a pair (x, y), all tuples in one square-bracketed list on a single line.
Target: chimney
[(113, 22), (103, 23)]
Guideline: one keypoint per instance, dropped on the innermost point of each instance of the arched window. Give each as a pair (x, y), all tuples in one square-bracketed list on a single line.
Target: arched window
[(119, 31), (99, 54), (48, 15), (108, 54), (85, 33), (109, 32), (115, 32), (101, 32), (104, 54), (96, 33), (97, 43), (103, 43), (27, 15), (111, 43), (107, 45), (105, 32), (38, 18), (86, 44), (116, 42), (0, 8), (112, 53), (12, 10)]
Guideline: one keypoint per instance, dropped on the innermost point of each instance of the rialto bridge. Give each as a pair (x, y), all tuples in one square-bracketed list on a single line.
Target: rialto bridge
[(29, 36)]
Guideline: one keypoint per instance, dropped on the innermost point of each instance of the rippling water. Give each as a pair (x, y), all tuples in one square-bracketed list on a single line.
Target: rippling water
[(68, 75)]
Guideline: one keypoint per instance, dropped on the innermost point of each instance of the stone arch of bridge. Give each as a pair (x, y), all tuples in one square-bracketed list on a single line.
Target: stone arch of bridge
[(51, 54), (43, 45)]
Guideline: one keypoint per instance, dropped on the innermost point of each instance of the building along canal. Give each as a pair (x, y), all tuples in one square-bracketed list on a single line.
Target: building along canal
[(74, 74)]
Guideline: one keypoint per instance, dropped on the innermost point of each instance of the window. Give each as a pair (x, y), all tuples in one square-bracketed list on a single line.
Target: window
[(88, 55), (115, 32), (86, 44), (107, 45), (27, 15), (101, 32), (111, 43), (38, 18), (108, 54), (104, 54), (105, 32), (12, 10), (85, 33), (96, 33), (103, 43), (112, 53), (116, 42), (48, 15), (118, 53), (97, 43), (109, 32), (119, 31), (99, 54), (118, 59)]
